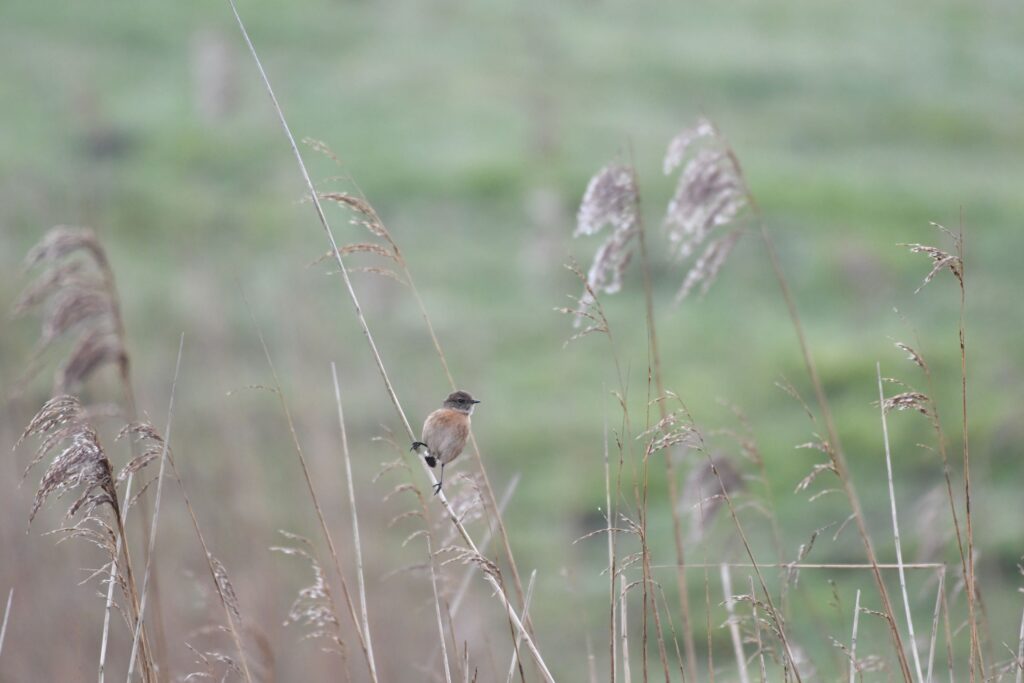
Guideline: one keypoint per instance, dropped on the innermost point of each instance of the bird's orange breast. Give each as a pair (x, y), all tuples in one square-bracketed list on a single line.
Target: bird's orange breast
[(445, 432)]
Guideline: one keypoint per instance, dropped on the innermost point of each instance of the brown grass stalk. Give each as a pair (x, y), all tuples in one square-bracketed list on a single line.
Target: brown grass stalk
[(499, 590), (972, 594), (935, 623), (151, 544), (896, 527)]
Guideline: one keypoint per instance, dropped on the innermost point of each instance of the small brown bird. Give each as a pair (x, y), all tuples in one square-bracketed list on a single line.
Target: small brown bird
[(445, 432)]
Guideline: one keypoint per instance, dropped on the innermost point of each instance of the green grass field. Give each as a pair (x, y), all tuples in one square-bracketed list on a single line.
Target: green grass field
[(473, 129)]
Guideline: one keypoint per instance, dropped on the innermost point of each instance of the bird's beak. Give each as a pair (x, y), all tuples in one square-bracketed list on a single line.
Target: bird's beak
[(475, 401)]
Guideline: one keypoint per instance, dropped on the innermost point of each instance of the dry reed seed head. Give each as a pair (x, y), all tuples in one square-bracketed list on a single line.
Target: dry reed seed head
[(680, 144), (908, 400), (912, 355), (81, 464), (611, 199), (142, 432), (224, 586), (63, 240), (940, 260), (313, 607), (53, 279), (705, 269), (710, 193), (671, 431), (369, 218), (94, 348)]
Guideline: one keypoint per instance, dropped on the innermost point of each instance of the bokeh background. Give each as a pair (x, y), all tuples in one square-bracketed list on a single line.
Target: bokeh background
[(473, 128)]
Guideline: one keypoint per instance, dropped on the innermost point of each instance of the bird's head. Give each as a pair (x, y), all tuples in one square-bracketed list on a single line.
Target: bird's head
[(461, 401)]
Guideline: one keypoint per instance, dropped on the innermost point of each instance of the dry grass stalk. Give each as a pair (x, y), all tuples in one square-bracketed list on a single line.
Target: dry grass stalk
[(515, 649), (734, 626), (360, 580), (935, 623), (7, 615), (955, 264), (886, 406), (627, 675), (853, 638), (499, 590), (156, 511)]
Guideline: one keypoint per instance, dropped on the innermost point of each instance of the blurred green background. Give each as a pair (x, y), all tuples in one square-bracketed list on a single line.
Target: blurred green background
[(473, 128)]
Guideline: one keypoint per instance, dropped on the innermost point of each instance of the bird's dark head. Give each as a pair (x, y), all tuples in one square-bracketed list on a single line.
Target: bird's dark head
[(460, 401)]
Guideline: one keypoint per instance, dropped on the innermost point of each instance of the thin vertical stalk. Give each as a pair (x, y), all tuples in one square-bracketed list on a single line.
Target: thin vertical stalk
[(361, 583), (757, 630), (935, 624), (526, 609), (156, 514), (627, 676), (7, 614), (853, 638), (734, 627), (976, 652), (896, 526), (613, 601), (437, 610)]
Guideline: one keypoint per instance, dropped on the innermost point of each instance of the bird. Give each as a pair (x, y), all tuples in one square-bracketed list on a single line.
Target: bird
[(445, 432)]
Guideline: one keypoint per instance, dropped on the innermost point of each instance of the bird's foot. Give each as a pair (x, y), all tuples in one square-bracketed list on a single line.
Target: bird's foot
[(417, 444), (437, 488)]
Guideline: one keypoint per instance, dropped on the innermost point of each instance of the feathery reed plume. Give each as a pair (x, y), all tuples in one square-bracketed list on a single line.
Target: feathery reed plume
[(80, 464), (75, 292), (710, 193), (611, 199), (314, 608)]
